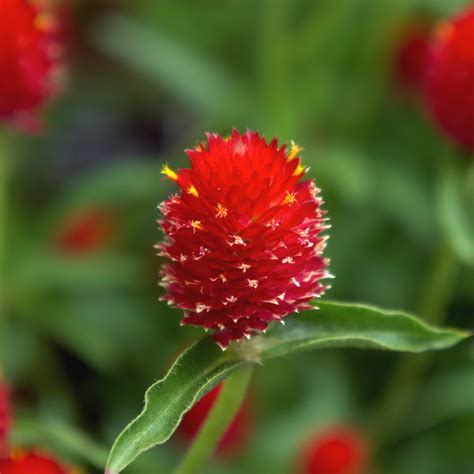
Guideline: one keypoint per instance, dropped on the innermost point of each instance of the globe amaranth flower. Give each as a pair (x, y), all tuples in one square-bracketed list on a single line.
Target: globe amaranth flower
[(85, 232), (336, 450), (5, 416), (449, 87), (244, 236), (22, 462), (30, 59), (237, 432)]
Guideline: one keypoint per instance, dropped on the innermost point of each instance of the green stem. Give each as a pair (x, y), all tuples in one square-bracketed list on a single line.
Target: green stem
[(401, 390), (218, 420)]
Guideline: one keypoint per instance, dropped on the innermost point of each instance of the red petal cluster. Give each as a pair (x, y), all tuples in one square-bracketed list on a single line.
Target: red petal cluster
[(5, 416), (30, 56), (449, 90), (236, 433), (31, 463), (243, 236), (339, 450), (85, 232)]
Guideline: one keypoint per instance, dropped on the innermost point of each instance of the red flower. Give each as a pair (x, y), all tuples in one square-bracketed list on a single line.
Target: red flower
[(243, 236), (449, 90), (85, 232), (31, 463), (30, 55), (236, 433), (339, 450), (5, 416), (410, 57)]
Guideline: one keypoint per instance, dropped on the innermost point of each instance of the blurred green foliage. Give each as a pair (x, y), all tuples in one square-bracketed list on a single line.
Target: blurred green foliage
[(83, 336)]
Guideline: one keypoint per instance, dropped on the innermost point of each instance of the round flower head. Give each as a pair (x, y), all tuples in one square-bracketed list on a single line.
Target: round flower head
[(5, 416), (31, 463), (244, 236), (236, 433), (30, 53), (449, 88), (339, 450)]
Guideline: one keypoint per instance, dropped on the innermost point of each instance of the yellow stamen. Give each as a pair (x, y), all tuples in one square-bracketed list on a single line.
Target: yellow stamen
[(192, 190), (221, 210), (168, 172), (196, 225), (290, 199), (299, 170), (295, 149)]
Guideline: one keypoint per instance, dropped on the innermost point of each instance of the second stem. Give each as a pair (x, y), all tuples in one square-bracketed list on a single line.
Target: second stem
[(221, 415)]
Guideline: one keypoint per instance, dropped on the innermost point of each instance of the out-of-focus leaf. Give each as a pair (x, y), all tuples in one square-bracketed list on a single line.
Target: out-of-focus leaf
[(343, 170), (52, 271), (191, 78), (456, 203), (61, 436), (125, 185), (203, 365), (94, 327), (446, 396)]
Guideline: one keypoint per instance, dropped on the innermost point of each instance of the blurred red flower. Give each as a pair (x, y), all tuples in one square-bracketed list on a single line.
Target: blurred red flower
[(236, 433), (5, 416), (410, 57), (31, 53), (449, 89), (337, 450), (85, 232), (243, 236), (20, 462)]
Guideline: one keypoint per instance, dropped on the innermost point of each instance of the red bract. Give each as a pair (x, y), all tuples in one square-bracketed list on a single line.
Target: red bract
[(244, 236), (236, 433), (5, 416), (31, 463), (449, 90), (30, 56), (85, 232), (339, 450), (410, 57)]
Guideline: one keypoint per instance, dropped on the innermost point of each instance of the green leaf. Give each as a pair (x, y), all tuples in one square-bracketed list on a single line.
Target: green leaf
[(352, 326), (203, 365), (194, 373), (163, 59)]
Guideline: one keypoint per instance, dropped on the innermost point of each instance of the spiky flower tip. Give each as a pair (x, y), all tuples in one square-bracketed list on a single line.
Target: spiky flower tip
[(449, 87), (22, 462), (236, 433), (244, 236), (5, 416), (336, 450), (30, 57)]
